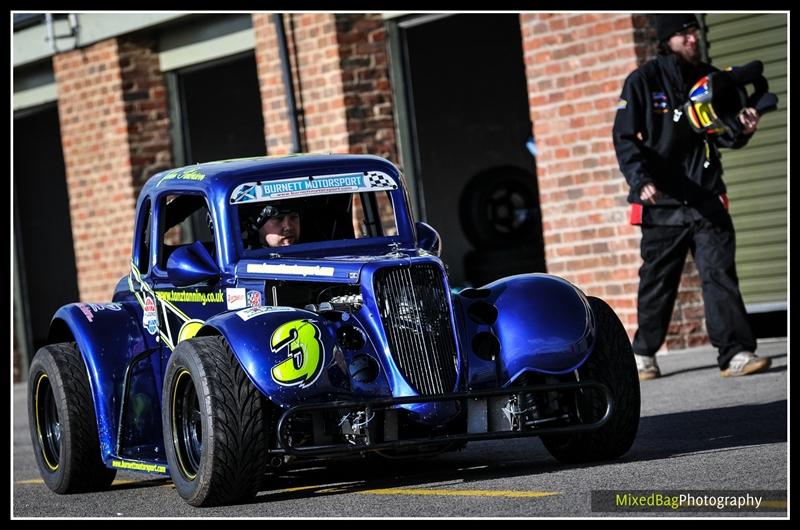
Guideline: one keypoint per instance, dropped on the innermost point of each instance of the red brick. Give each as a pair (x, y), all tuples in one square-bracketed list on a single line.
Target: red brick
[(577, 158)]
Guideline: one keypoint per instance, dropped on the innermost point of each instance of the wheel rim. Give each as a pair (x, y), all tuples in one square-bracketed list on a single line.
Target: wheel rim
[(48, 426), (507, 210), (187, 428)]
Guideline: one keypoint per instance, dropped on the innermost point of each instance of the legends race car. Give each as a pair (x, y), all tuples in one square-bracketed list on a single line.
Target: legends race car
[(220, 358)]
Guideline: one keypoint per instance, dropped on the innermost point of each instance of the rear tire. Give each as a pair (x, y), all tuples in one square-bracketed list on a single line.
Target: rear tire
[(612, 364), (215, 432), (63, 423)]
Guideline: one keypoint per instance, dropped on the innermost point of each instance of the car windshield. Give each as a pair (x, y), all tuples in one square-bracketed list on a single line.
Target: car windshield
[(314, 209)]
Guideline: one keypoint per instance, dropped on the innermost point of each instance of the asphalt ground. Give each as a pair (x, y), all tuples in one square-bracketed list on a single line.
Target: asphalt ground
[(698, 432)]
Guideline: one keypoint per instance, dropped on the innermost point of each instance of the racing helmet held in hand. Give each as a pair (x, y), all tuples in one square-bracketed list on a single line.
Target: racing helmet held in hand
[(716, 99)]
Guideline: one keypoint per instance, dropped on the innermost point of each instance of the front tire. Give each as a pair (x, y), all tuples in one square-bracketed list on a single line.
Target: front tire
[(215, 432), (63, 422), (612, 364)]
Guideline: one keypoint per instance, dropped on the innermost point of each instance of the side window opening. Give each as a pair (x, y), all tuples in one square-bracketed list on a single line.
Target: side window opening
[(181, 215), (142, 258)]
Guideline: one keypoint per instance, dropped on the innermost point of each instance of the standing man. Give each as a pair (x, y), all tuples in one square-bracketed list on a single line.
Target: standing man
[(678, 197)]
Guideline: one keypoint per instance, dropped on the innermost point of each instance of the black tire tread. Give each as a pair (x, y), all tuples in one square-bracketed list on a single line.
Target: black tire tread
[(80, 445), (238, 458), (611, 363)]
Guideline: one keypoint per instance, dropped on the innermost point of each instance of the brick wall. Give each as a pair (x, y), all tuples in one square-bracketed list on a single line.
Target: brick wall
[(341, 80), (576, 64), (277, 127), (145, 103), (112, 112), (314, 57), (366, 85)]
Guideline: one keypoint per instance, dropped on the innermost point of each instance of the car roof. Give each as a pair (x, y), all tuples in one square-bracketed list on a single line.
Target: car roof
[(219, 177)]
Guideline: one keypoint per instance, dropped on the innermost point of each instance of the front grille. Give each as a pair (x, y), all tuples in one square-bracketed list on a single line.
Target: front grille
[(416, 318)]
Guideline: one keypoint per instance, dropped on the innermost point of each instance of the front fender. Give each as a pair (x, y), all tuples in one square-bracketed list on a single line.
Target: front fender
[(543, 324), (108, 336), (289, 354)]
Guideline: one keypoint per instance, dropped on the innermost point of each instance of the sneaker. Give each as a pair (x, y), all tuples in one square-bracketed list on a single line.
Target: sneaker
[(647, 366), (746, 362)]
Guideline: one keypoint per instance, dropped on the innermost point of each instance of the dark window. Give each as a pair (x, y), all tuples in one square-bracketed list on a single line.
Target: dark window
[(142, 257), (177, 213)]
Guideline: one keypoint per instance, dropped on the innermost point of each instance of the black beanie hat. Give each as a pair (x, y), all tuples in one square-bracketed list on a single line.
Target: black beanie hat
[(668, 25)]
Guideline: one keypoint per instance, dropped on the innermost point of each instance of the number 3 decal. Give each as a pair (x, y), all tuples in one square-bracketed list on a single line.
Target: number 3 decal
[(304, 352)]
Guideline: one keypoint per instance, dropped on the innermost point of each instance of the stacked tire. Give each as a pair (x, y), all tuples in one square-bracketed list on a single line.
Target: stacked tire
[(499, 213)]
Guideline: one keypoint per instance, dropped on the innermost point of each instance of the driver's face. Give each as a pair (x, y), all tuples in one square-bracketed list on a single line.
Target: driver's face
[(281, 230)]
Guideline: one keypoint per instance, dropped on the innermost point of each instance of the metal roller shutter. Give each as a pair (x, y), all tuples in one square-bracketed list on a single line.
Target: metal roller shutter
[(756, 175)]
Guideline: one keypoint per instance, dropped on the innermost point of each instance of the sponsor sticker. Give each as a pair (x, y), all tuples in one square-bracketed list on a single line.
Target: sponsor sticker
[(149, 315), (312, 185), (191, 297), (235, 298), (85, 310), (139, 466), (182, 174), (252, 312), (254, 298), (89, 310), (296, 270)]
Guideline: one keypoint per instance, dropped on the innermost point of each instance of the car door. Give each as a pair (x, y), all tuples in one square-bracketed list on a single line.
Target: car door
[(179, 311)]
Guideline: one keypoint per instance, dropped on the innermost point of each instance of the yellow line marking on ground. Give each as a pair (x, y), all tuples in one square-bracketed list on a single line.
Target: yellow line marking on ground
[(300, 488), (461, 493), (342, 488), (40, 481)]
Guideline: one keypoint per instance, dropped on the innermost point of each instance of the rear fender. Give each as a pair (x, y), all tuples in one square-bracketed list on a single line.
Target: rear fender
[(541, 323), (108, 335), (289, 354)]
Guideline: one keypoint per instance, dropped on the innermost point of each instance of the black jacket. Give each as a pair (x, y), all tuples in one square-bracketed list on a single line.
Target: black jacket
[(655, 143)]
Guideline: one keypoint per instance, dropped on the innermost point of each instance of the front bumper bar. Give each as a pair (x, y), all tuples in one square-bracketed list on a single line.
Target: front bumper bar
[(340, 449)]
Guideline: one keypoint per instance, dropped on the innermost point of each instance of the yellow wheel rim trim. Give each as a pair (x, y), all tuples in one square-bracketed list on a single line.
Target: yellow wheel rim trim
[(52, 467), (184, 471)]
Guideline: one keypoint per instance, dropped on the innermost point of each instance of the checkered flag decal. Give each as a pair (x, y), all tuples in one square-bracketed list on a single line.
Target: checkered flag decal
[(379, 180)]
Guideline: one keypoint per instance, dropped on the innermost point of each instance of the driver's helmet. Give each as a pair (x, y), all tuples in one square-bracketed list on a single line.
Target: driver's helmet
[(257, 215), (716, 99), (272, 209)]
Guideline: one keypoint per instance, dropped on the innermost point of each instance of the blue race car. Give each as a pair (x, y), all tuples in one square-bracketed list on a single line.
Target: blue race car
[(308, 316)]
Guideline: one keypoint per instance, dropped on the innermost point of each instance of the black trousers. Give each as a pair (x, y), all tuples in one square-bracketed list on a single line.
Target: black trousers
[(712, 242)]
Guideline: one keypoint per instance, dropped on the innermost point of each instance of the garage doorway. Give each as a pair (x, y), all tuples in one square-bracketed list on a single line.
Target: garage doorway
[(218, 108), (44, 256), (465, 125)]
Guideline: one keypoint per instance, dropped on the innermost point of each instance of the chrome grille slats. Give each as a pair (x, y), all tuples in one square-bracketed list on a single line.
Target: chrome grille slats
[(416, 318), (427, 336)]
